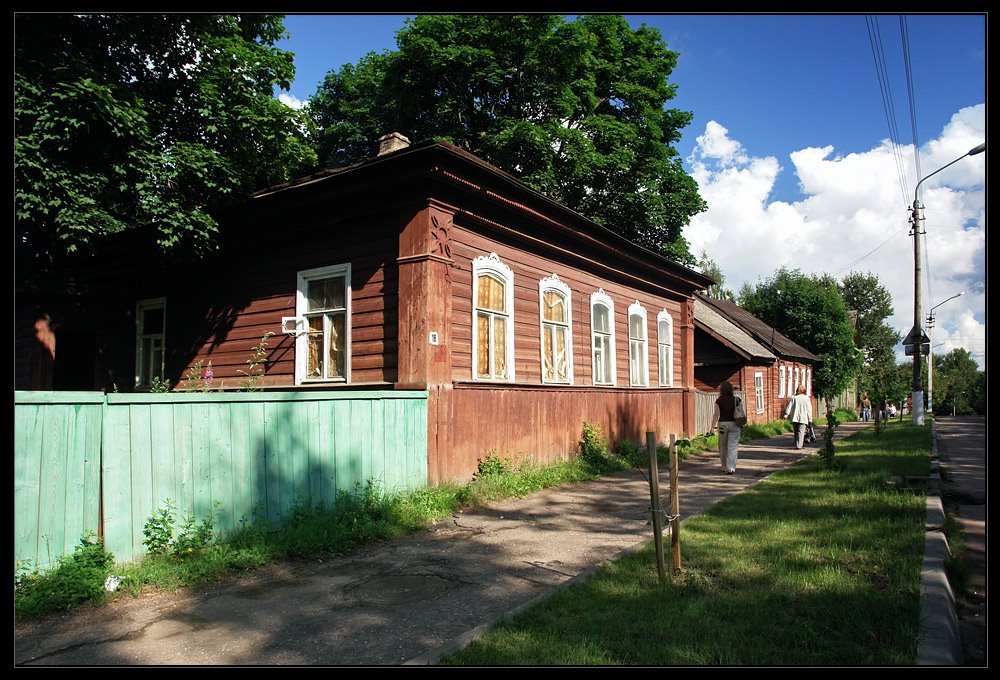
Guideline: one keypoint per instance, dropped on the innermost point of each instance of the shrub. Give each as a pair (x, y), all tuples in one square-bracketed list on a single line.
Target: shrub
[(594, 444), (76, 579)]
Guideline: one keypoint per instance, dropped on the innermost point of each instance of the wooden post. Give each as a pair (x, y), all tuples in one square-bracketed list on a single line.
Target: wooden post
[(675, 506), (654, 499)]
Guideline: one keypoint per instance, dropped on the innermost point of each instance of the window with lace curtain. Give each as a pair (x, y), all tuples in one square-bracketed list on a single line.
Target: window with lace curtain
[(556, 341), (638, 357), (665, 347), (322, 350), (492, 319), (602, 328)]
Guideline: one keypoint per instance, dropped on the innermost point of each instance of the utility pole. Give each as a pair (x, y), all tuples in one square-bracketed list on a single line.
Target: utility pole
[(916, 338)]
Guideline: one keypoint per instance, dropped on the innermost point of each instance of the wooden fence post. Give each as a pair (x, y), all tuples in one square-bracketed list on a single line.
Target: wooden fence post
[(675, 506), (654, 499)]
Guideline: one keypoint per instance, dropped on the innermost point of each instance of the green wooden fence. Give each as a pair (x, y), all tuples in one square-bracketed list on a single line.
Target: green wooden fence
[(106, 463)]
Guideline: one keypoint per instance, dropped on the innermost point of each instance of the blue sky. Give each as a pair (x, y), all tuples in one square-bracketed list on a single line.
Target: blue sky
[(790, 143)]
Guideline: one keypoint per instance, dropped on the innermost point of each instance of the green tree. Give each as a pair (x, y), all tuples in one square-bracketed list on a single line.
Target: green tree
[(811, 311), (871, 304), (575, 109), (958, 384), (718, 290), (154, 121)]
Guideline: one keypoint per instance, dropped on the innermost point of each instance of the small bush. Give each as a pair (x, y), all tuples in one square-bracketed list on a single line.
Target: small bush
[(631, 453), (162, 537), (493, 465), (76, 579), (594, 444)]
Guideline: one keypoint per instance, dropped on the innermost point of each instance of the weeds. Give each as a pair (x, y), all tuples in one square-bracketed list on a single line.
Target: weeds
[(76, 579)]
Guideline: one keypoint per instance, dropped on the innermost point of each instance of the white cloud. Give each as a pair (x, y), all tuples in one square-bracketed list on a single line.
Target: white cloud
[(855, 216), (290, 100)]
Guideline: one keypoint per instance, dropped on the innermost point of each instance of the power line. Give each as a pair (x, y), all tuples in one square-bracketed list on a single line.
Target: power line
[(878, 55), (871, 252)]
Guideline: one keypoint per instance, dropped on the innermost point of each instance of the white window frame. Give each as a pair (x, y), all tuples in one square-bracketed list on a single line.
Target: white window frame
[(809, 381), (758, 388), (492, 265), (603, 299), (639, 347), (302, 308), (781, 382), (554, 284), (142, 306), (795, 389), (665, 359)]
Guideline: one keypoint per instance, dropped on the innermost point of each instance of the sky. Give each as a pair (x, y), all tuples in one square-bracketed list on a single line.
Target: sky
[(803, 145)]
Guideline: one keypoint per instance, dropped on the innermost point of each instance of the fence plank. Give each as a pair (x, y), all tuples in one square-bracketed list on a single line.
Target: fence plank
[(117, 486), (29, 441)]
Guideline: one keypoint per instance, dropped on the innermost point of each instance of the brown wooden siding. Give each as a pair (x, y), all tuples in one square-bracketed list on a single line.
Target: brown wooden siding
[(544, 424), (223, 319)]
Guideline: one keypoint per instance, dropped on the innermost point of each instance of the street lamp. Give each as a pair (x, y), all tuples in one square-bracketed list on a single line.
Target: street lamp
[(916, 335), (930, 354)]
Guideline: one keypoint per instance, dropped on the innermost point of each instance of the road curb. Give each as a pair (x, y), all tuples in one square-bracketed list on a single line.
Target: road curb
[(939, 642)]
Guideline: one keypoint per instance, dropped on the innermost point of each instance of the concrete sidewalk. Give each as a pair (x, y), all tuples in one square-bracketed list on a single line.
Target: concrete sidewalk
[(403, 602)]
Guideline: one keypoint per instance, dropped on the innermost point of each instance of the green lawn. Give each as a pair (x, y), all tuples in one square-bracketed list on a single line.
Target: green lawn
[(814, 566)]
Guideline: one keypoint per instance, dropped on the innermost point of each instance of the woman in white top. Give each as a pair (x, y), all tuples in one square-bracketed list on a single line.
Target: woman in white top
[(800, 412)]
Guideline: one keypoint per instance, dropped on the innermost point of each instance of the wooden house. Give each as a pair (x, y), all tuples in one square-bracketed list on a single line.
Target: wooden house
[(425, 268), (732, 344)]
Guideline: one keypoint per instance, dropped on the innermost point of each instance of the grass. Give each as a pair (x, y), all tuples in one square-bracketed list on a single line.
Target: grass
[(812, 567)]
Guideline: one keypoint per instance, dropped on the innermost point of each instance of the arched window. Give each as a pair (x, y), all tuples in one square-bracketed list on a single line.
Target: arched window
[(492, 319), (781, 382), (638, 357), (665, 347), (556, 325), (602, 328)]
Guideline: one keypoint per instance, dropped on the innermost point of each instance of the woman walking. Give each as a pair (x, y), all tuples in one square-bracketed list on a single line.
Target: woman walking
[(729, 431), (800, 412)]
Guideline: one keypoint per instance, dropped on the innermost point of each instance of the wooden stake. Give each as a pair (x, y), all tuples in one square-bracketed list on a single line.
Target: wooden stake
[(654, 499), (675, 506)]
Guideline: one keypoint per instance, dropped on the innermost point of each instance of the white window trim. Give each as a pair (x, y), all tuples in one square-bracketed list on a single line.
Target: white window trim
[(637, 309), (666, 380), (554, 283), (758, 386), (809, 381), (781, 382), (301, 307), (140, 307), (795, 389), (491, 264), (602, 298)]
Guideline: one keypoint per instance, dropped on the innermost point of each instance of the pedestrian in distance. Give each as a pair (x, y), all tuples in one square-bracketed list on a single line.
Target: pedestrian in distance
[(866, 408), (724, 418), (800, 412)]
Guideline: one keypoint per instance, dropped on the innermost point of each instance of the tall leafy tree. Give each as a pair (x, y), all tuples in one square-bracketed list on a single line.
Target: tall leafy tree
[(575, 109), (811, 311), (718, 290), (958, 384), (128, 121), (871, 304)]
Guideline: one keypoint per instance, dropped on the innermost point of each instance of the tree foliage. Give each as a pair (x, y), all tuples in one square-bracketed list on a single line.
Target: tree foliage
[(575, 109), (810, 311), (871, 304), (144, 120), (718, 290), (959, 385)]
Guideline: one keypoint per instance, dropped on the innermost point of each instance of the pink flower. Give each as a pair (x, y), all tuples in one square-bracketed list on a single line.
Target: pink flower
[(209, 374)]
